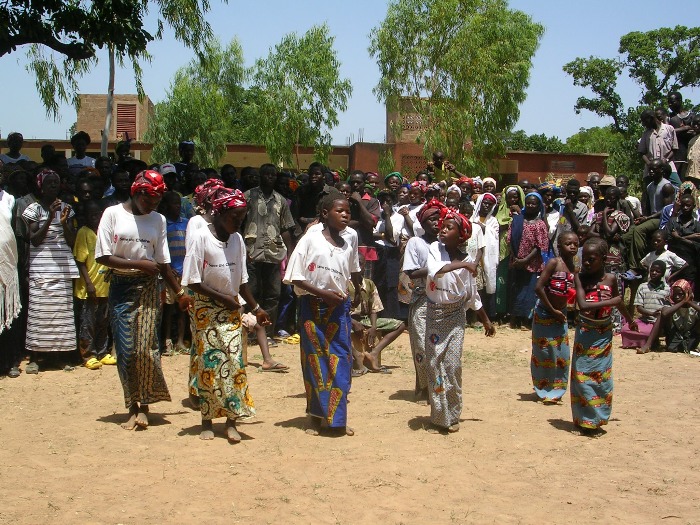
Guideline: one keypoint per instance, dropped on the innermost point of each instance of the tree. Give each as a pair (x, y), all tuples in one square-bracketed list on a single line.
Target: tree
[(521, 141), (64, 37), (301, 93), (659, 61), (206, 103), (593, 140), (463, 65)]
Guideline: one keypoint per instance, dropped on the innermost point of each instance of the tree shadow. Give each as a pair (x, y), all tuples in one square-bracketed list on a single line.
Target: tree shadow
[(530, 396)]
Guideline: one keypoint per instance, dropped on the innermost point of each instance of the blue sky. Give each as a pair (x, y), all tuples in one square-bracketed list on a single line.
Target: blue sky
[(573, 29)]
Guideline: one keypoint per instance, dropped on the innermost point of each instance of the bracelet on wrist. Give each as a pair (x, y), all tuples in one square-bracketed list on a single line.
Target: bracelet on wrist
[(180, 293), (256, 309)]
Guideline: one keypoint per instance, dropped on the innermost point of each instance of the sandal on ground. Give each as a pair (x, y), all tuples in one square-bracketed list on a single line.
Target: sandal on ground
[(276, 367), (360, 372), (292, 339), (108, 360), (168, 350), (283, 334), (380, 370), (93, 364), (31, 368), (14, 372)]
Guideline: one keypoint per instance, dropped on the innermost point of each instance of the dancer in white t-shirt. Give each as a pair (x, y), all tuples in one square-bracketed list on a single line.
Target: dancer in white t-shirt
[(450, 287), (215, 270), (320, 268)]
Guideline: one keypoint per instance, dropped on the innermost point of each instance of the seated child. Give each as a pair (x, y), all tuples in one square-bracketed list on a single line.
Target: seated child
[(365, 326), (649, 300), (674, 264), (679, 321)]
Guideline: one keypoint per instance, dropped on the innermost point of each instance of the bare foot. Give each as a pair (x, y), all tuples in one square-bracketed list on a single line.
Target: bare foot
[(207, 430), (371, 361), (453, 428), (313, 426), (231, 433), (643, 350), (142, 417), (349, 431), (130, 424)]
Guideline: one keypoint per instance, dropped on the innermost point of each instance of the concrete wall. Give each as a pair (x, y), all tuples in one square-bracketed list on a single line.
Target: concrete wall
[(91, 115)]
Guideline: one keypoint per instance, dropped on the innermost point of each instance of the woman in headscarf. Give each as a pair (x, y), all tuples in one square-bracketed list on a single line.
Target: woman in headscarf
[(528, 239), (215, 270), (586, 196), (393, 181), (415, 266), (512, 202), (678, 321), (132, 241), (483, 216), (451, 288), (50, 323), (549, 191), (489, 185)]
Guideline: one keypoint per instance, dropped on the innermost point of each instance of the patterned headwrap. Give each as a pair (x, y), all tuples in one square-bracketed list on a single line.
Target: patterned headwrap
[(454, 187), (547, 186), (464, 225), (490, 179), (686, 187), (228, 199), (431, 208), (204, 192), (683, 285), (394, 174), (149, 182), (42, 175), (420, 184), (483, 197), (293, 184)]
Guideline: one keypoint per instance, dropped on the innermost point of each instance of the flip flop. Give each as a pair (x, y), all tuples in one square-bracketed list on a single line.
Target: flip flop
[(360, 373), (277, 367), (292, 339), (382, 370)]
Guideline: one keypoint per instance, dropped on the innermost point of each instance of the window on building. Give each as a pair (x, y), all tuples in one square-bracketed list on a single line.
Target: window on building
[(126, 120)]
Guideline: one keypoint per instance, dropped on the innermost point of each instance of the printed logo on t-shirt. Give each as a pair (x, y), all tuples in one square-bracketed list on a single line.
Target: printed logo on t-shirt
[(432, 286), (222, 265), (312, 267), (116, 237)]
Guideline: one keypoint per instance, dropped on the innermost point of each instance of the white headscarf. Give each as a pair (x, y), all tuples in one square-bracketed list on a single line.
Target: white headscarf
[(477, 207)]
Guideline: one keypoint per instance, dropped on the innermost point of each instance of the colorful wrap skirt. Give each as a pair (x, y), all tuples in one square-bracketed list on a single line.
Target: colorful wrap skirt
[(326, 358), (591, 373), (444, 329), (416, 333), (134, 303), (549, 364), (217, 373)]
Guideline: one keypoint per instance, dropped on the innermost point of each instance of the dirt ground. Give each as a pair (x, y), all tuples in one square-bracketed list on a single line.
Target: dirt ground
[(65, 459)]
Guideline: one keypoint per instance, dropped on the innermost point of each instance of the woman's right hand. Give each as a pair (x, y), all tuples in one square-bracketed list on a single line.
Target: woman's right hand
[(559, 316), (55, 207), (332, 298), (149, 267)]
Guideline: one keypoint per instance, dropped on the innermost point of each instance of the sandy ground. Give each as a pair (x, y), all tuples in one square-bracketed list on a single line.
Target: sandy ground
[(65, 459)]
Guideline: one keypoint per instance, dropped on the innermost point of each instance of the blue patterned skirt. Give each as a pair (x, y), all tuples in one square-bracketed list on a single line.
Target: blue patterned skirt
[(549, 364), (326, 358)]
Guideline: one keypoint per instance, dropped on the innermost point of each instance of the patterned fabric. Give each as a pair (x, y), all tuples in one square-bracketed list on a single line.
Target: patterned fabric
[(50, 323), (522, 292), (591, 373), (228, 199), (268, 218), (134, 303), (94, 329), (615, 259), (326, 358), (53, 258), (444, 329), (534, 235), (221, 380), (549, 364), (149, 182), (417, 312)]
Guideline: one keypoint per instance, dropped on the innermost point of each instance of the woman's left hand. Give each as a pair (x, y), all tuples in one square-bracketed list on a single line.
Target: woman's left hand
[(185, 302), (262, 318), (633, 326), (64, 214)]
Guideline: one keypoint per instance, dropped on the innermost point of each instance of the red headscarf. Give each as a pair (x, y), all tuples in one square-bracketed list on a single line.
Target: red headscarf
[(204, 192), (683, 285), (226, 199), (431, 208), (464, 225), (420, 184), (149, 182), (42, 175), (489, 197)]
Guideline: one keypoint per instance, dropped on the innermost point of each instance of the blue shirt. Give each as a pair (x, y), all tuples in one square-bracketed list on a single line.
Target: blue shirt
[(176, 242)]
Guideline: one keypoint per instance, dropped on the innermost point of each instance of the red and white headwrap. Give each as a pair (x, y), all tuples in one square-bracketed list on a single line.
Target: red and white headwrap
[(149, 182), (430, 208), (204, 192), (226, 199), (42, 175), (420, 184), (464, 225)]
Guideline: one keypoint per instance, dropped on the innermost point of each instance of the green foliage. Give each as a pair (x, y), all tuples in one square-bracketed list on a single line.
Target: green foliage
[(301, 93), (592, 140), (64, 37), (386, 163), (521, 141), (463, 65), (659, 61), (206, 103)]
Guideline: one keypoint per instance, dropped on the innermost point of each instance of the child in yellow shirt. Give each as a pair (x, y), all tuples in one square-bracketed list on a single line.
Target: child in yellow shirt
[(91, 289)]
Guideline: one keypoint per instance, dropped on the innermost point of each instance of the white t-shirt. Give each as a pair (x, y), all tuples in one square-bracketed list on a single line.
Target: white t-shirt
[(673, 262), (219, 265), (475, 242), (415, 257), (6, 159), (552, 219), (132, 237), (76, 165), (397, 223), (321, 264), (349, 234), (195, 223), (635, 203), (7, 203), (450, 287)]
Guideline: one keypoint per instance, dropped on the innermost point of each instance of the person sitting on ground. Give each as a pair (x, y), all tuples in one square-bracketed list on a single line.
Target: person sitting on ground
[(365, 326), (683, 237), (649, 300), (675, 265), (679, 321)]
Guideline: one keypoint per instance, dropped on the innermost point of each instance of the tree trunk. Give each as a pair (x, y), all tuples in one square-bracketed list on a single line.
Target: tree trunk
[(110, 103)]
